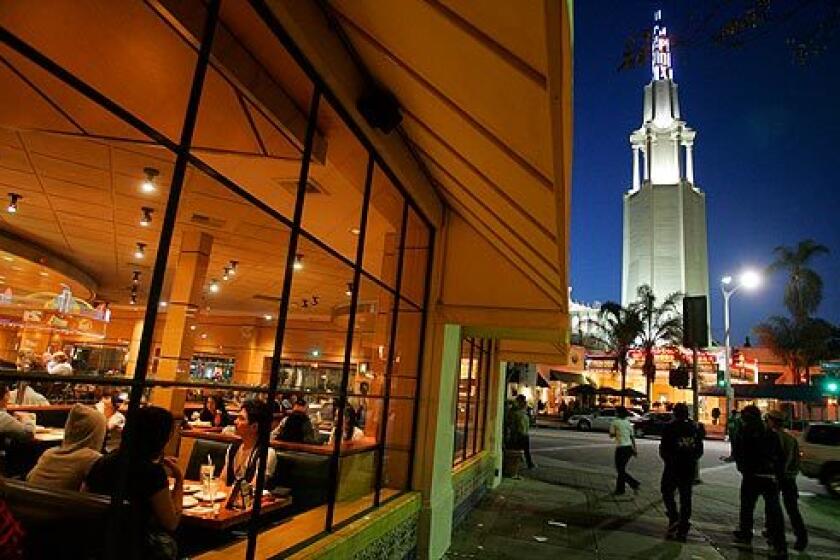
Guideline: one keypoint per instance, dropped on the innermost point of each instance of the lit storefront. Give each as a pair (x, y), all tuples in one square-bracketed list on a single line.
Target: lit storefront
[(199, 207)]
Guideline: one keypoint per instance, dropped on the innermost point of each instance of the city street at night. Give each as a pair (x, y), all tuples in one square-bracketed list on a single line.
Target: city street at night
[(572, 488)]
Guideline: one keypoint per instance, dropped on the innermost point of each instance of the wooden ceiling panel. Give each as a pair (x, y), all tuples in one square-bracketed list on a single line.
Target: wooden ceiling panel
[(82, 226), (14, 158), (222, 122), (65, 152), (15, 93), (74, 194), (9, 138), (20, 181), (81, 205)]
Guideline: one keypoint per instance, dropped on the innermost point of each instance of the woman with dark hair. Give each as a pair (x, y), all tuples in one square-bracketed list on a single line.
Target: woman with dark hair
[(214, 411), (147, 485), (350, 431), (241, 461)]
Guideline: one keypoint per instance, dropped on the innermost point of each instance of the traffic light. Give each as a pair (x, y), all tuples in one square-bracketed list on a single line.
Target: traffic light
[(721, 379)]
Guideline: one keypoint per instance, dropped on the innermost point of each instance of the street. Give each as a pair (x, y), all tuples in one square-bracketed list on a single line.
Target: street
[(567, 501)]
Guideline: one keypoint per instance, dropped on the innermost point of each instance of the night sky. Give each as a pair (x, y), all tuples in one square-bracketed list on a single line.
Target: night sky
[(766, 154)]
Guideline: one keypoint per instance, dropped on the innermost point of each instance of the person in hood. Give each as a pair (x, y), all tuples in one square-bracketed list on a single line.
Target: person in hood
[(65, 467)]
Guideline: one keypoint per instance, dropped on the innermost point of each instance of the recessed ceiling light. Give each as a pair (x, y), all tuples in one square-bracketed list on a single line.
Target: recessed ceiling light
[(13, 202), (149, 184), (355, 231), (43, 273)]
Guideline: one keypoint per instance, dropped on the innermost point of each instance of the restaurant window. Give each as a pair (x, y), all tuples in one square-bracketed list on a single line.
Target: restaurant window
[(152, 267), (472, 388)]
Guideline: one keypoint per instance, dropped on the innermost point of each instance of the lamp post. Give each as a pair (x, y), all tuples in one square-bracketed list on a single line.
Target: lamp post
[(749, 280)]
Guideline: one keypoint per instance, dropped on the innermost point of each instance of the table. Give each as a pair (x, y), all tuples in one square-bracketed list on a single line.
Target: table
[(49, 435), (227, 518)]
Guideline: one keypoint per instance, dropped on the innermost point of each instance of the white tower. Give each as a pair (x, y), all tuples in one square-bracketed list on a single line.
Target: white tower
[(664, 212)]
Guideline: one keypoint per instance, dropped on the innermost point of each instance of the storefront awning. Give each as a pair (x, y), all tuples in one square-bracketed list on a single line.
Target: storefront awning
[(567, 377), (789, 393)]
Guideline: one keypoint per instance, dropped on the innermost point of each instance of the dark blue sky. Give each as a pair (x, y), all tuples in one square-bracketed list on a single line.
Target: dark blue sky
[(766, 154)]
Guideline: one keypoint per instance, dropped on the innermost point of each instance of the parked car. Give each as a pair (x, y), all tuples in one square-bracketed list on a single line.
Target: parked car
[(819, 446), (652, 423), (598, 420)]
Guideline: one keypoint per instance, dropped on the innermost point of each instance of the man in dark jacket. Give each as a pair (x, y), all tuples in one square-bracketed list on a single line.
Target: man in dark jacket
[(680, 448), (758, 455), (789, 468), (297, 427)]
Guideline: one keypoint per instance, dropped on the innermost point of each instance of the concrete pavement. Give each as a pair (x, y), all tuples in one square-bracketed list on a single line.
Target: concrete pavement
[(565, 509)]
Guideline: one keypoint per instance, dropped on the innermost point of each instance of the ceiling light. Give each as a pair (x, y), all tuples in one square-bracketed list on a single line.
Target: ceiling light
[(163, 304), (204, 335), (268, 317), (140, 251), (43, 273), (214, 286), (192, 327), (146, 218), (226, 275), (149, 184), (298, 261), (135, 277), (7, 258), (349, 291), (315, 353), (13, 201), (355, 231), (233, 266)]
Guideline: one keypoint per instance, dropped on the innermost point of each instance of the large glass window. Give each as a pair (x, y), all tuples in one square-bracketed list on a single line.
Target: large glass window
[(236, 263), (472, 388)]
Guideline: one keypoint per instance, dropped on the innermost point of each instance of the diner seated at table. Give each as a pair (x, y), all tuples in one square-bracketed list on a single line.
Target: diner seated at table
[(241, 460), (66, 466), (351, 431), (58, 364), (27, 397), (296, 427), (148, 484), (109, 406), (214, 411), (19, 426)]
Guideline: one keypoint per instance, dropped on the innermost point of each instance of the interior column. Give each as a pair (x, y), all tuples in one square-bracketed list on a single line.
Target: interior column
[(176, 346)]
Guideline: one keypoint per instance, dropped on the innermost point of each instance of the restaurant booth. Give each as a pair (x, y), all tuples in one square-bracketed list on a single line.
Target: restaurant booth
[(208, 199)]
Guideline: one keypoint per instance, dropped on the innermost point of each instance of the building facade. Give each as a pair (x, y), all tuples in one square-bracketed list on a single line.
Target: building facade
[(362, 205), (664, 238)]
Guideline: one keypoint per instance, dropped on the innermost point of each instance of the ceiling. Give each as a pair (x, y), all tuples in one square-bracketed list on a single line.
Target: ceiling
[(79, 169)]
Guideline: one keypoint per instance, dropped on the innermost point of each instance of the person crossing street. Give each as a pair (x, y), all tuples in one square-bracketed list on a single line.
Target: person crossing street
[(680, 448), (625, 448), (788, 470)]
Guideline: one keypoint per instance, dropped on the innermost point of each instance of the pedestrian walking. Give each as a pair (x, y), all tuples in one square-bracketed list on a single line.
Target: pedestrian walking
[(517, 427), (733, 426), (758, 455), (625, 447), (680, 448), (787, 477)]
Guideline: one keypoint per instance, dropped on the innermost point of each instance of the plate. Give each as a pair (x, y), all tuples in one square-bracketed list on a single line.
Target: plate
[(192, 488), (205, 498), (189, 501)]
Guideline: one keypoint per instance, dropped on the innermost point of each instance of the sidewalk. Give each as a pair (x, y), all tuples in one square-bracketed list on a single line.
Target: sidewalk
[(587, 522), (566, 511)]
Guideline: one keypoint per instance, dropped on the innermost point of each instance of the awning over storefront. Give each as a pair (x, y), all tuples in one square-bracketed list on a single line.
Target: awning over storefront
[(567, 377), (492, 130), (790, 393)]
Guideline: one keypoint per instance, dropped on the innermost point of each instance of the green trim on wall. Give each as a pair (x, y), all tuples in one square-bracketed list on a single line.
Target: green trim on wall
[(392, 526)]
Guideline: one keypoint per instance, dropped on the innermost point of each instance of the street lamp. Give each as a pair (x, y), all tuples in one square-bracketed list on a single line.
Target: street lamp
[(749, 279)]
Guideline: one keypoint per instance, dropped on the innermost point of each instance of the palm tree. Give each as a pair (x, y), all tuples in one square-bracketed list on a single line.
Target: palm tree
[(617, 329), (800, 344), (803, 292), (661, 327)]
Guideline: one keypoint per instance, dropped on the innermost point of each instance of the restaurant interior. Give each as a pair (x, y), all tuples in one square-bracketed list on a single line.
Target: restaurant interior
[(189, 215)]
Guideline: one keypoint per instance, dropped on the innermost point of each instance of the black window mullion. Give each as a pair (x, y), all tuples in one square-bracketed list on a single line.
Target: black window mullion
[(282, 315), (113, 538), (380, 459), (338, 427)]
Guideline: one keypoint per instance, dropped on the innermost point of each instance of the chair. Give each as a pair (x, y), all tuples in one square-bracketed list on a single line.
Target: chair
[(57, 523), (198, 456), (306, 475)]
